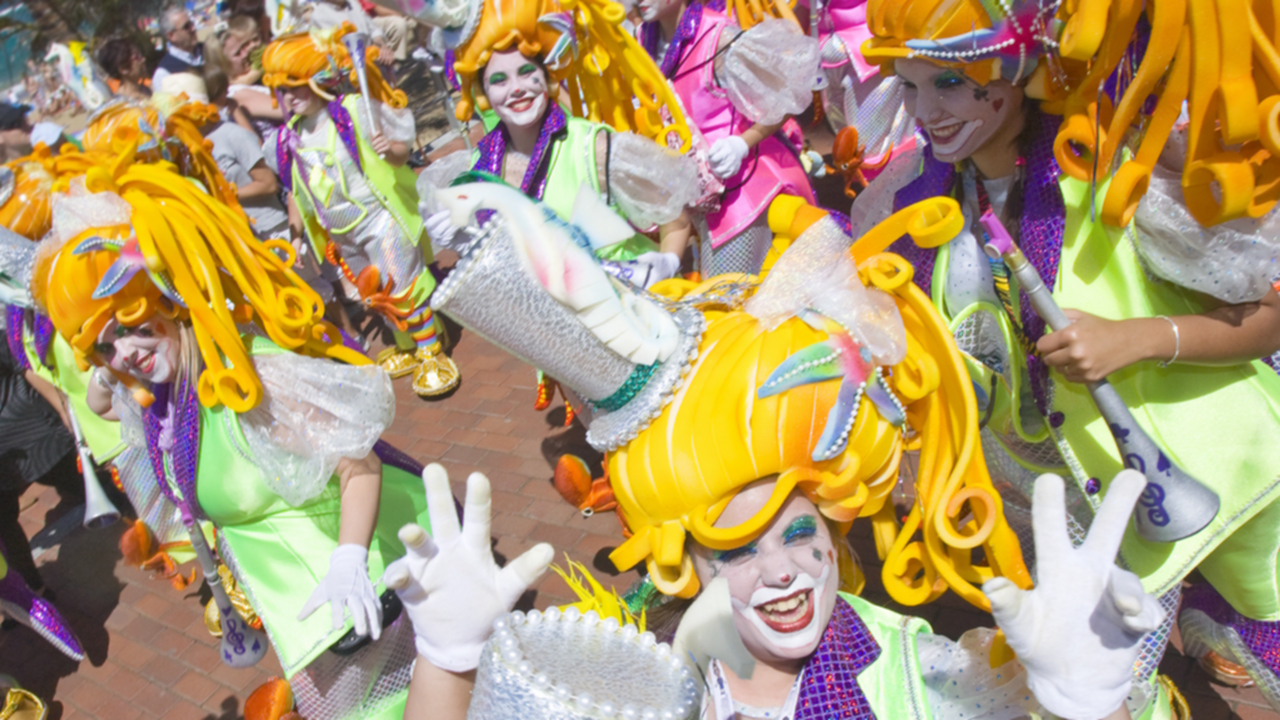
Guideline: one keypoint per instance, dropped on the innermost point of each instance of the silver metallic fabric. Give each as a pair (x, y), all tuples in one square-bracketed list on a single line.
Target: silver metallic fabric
[(570, 666)]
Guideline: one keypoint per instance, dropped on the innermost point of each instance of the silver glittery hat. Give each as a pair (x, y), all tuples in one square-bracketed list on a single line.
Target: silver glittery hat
[(570, 666), (528, 283)]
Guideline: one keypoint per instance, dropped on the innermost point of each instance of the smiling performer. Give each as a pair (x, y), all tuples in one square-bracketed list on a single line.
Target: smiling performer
[(520, 60), (1163, 259), (257, 433), (752, 426), (347, 178)]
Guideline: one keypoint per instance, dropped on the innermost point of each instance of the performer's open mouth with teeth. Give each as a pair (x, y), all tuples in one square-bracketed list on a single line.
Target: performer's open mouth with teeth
[(788, 614)]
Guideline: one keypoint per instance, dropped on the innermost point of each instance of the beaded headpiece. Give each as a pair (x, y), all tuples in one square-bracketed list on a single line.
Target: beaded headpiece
[(1113, 67)]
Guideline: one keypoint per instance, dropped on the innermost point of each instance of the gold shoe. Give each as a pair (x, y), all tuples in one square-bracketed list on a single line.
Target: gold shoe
[(436, 373), (22, 705), (240, 601), (1225, 671), (397, 362)]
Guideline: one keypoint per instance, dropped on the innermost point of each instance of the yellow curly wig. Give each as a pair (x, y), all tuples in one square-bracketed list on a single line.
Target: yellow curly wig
[(717, 436), (600, 78), (207, 253), (1218, 57)]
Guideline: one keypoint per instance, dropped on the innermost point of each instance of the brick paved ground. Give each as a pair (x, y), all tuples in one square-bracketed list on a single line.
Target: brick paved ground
[(149, 655)]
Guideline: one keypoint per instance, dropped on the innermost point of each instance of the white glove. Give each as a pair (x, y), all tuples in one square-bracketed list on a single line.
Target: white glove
[(1079, 631), (347, 584), (648, 268), (726, 155), (440, 228), (450, 585)]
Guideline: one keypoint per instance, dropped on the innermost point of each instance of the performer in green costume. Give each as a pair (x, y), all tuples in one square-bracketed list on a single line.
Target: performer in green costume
[(514, 63), (261, 434), (342, 158), (1168, 290)]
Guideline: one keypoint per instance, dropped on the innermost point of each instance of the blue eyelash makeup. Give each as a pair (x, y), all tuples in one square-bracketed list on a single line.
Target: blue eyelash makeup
[(805, 526), (725, 556)]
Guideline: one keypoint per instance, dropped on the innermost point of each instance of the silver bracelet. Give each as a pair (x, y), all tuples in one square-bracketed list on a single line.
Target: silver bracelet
[(1177, 342)]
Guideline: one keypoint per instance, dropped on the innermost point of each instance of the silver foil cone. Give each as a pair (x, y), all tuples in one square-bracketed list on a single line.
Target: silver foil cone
[(491, 294), (568, 666)]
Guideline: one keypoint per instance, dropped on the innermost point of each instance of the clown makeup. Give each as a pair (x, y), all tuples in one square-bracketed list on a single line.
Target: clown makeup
[(960, 116), (148, 352), (516, 88), (783, 583), (301, 100)]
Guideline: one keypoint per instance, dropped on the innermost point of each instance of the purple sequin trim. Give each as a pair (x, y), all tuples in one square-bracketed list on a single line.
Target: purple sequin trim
[(1040, 231), (186, 437), (390, 455), (686, 31), (1261, 637), (493, 149), (286, 147), (14, 321), (17, 599), (829, 690), (449, 73), (346, 129), (43, 337)]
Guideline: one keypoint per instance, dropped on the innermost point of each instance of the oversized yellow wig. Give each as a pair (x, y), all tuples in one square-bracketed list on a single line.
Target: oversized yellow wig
[(582, 45), (166, 127), (1218, 57), (183, 254), (319, 60), (721, 433)]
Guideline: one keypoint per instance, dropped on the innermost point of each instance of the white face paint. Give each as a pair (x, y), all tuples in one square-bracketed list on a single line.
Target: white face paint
[(783, 584), (516, 88), (959, 116), (148, 352)]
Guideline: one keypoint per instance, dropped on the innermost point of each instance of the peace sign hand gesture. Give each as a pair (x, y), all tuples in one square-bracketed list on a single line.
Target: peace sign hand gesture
[(1079, 631), (450, 585)]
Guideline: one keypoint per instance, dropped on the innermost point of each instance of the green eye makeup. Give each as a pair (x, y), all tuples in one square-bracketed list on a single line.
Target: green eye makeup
[(803, 527)]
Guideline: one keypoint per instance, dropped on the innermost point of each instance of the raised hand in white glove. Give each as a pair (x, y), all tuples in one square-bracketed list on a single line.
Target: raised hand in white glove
[(347, 585), (726, 155), (440, 228), (647, 268), (1079, 631), (450, 585)]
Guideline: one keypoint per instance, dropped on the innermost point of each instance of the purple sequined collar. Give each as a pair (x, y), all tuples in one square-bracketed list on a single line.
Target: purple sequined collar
[(1040, 230), (686, 31), (493, 150), (172, 427), (829, 689)]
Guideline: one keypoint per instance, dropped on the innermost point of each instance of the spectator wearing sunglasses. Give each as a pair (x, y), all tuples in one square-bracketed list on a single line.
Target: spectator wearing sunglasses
[(183, 52)]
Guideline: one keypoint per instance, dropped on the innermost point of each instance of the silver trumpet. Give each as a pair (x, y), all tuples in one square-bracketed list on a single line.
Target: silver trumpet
[(357, 45), (99, 512), (1174, 505), (242, 645)]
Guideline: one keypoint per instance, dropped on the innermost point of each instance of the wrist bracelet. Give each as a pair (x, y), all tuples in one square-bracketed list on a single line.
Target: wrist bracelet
[(1177, 342)]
